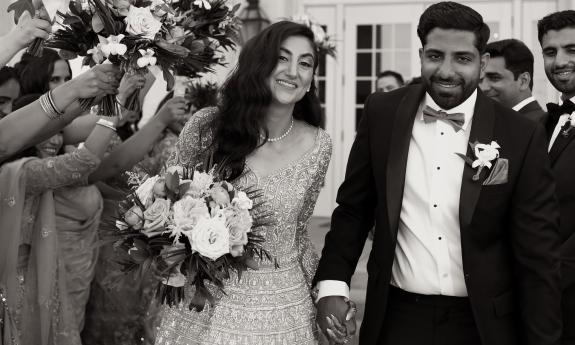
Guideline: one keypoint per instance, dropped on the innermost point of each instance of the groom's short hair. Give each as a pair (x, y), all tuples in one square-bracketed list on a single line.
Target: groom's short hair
[(555, 21), (452, 15)]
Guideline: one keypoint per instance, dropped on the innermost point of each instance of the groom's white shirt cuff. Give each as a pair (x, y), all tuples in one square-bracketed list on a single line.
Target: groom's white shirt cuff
[(332, 288)]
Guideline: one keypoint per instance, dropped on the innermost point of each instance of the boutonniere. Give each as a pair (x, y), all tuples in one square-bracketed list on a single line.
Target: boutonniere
[(487, 156), (568, 126)]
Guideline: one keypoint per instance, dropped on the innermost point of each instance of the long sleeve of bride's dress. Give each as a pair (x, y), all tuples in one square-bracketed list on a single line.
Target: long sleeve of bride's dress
[(194, 140), (309, 258)]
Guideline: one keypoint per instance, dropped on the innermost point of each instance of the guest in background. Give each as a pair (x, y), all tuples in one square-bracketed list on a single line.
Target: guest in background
[(40, 74), (509, 78), (9, 89), (556, 33), (388, 80), (36, 308), (31, 124)]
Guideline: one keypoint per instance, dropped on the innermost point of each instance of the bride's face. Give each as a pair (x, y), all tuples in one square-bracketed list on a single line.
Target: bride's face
[(293, 74)]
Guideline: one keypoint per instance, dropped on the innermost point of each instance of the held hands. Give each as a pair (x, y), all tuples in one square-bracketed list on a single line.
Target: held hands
[(336, 318), (100, 80)]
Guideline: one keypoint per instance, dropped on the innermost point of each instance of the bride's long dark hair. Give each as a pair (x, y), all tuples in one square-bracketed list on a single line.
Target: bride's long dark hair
[(246, 96)]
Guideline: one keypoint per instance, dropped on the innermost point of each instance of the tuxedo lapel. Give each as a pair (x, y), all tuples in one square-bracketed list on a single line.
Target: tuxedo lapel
[(482, 127), (559, 145), (399, 149)]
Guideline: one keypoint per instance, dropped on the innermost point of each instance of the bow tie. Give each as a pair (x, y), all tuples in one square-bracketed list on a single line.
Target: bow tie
[(555, 110), (456, 120)]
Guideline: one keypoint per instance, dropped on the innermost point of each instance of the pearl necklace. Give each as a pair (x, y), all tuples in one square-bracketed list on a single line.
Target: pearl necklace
[(273, 140)]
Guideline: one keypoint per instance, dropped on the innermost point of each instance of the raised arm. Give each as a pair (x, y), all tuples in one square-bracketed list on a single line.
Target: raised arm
[(69, 169), (22, 35), (30, 125), (130, 152)]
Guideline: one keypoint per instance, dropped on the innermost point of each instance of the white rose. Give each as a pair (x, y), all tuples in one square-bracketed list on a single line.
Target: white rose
[(134, 217), (188, 211), (485, 153), (242, 201), (141, 21), (203, 180), (145, 191), (155, 217), (210, 238)]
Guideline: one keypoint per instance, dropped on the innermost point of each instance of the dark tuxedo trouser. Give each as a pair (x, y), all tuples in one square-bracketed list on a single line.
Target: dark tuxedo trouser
[(568, 303), (413, 319)]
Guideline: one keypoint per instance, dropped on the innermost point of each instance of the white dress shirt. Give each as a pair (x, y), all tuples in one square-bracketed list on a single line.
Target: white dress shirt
[(523, 103), (562, 120), (428, 251)]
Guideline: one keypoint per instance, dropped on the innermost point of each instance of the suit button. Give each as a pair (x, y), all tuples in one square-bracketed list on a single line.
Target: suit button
[(466, 275)]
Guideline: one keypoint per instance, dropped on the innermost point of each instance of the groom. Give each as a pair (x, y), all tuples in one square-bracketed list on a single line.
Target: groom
[(466, 246)]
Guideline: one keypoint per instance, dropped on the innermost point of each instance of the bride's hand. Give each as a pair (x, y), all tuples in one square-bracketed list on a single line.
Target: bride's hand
[(341, 332)]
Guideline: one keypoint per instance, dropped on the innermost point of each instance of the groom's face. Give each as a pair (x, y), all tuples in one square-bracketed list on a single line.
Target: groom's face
[(451, 66)]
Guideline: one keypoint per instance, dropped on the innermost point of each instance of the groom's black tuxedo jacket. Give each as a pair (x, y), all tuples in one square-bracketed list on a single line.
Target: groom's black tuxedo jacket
[(509, 232), (562, 156)]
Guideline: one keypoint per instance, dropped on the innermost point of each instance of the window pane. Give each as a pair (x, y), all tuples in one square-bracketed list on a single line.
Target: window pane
[(362, 90), (378, 36), (403, 36), (386, 39), (377, 64), (494, 31), (387, 61), (403, 63), (321, 66), (322, 91), (363, 67), (364, 37)]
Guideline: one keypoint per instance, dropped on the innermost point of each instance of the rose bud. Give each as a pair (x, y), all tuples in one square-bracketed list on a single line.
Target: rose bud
[(135, 217), (159, 189)]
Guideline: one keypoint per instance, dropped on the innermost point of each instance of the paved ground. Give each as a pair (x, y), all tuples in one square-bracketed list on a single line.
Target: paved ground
[(318, 228)]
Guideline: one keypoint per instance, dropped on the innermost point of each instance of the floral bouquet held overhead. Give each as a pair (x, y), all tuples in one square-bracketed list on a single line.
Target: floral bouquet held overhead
[(181, 37), (190, 227)]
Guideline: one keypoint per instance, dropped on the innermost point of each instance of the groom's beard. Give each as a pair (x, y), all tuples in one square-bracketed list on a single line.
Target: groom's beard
[(449, 92)]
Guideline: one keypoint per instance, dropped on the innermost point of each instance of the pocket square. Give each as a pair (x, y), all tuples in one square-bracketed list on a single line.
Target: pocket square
[(498, 173)]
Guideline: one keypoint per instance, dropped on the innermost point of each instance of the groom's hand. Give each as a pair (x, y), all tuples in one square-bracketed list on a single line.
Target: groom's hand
[(336, 318)]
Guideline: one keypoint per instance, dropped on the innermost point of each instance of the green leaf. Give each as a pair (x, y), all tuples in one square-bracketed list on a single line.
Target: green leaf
[(173, 182), (465, 158), (97, 23), (21, 6), (169, 78)]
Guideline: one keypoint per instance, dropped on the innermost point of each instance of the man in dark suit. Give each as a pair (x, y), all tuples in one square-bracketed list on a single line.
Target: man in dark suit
[(557, 38), (466, 243), (509, 78)]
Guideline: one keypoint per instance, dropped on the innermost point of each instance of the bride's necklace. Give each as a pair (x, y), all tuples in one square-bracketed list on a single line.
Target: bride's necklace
[(281, 136)]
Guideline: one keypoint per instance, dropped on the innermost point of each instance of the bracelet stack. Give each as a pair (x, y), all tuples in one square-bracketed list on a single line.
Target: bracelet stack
[(107, 124), (49, 106)]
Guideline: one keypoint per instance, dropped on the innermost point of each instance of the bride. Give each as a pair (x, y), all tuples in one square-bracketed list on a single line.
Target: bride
[(267, 131)]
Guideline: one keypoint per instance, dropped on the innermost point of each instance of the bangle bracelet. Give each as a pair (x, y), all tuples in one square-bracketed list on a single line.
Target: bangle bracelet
[(53, 104), (107, 124), (48, 108)]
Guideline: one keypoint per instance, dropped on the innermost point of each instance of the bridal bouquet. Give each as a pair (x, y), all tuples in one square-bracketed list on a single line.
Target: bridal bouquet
[(181, 37), (189, 227)]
